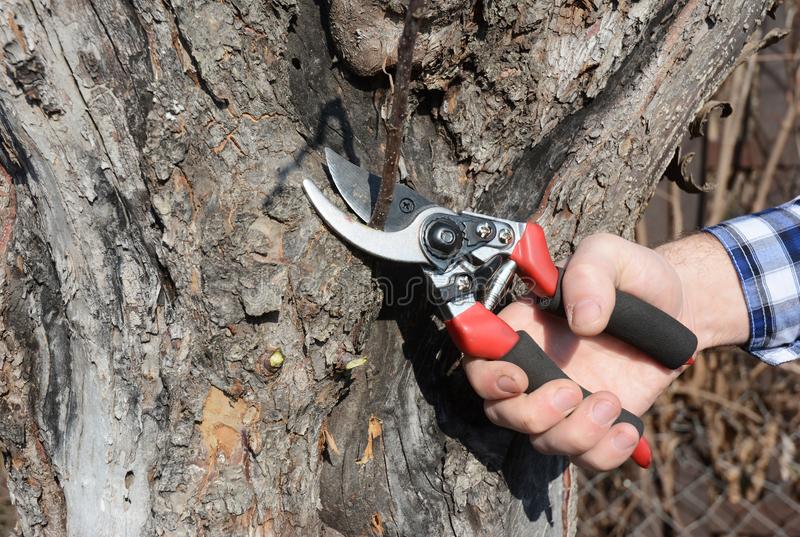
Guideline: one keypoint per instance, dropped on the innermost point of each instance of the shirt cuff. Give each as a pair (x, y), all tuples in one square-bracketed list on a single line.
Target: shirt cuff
[(765, 250)]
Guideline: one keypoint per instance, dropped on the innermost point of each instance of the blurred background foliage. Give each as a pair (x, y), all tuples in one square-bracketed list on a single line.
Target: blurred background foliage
[(726, 433)]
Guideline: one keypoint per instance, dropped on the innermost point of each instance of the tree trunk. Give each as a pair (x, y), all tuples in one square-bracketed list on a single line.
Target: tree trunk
[(162, 259)]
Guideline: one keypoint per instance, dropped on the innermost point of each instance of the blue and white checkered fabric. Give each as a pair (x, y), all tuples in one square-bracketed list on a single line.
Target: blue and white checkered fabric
[(765, 249)]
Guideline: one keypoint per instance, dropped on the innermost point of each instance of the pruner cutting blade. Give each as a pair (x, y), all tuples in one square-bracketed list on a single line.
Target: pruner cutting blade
[(359, 188), (402, 246)]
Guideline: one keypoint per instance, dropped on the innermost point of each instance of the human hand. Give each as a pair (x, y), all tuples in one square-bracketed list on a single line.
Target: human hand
[(675, 278)]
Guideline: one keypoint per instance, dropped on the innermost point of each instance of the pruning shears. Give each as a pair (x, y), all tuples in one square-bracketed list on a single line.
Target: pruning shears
[(469, 259)]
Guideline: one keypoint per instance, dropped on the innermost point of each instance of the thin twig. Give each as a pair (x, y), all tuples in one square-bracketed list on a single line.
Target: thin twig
[(718, 399), (394, 129), (641, 232), (742, 83), (775, 157), (676, 210)]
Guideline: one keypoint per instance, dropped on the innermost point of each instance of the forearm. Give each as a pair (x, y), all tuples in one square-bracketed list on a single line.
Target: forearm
[(713, 298)]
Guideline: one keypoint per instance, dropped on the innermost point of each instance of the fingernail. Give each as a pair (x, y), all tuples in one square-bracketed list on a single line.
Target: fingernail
[(507, 384), (566, 399), (603, 412), (585, 313), (624, 441)]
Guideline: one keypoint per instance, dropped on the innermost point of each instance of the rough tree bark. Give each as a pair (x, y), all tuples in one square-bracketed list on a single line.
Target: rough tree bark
[(159, 250)]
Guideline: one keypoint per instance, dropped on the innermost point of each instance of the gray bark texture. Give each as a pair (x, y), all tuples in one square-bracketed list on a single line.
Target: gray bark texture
[(160, 257)]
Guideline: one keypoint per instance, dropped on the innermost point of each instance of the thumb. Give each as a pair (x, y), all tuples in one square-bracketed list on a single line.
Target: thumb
[(589, 284)]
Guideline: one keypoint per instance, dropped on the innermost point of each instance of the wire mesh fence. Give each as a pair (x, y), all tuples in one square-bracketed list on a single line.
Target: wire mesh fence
[(701, 506), (725, 438)]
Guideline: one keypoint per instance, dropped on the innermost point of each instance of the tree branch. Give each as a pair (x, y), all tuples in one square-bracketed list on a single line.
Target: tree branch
[(394, 129)]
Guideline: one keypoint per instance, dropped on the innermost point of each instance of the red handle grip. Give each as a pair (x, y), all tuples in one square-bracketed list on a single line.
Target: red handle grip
[(533, 259), (480, 333)]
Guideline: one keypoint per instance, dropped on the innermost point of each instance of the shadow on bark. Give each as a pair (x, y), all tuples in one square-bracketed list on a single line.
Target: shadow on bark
[(435, 435), (459, 412)]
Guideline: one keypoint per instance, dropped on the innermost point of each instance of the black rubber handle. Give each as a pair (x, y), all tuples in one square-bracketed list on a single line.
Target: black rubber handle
[(642, 325), (540, 369)]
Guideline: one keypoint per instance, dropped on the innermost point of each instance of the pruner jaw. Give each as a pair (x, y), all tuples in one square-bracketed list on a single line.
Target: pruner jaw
[(359, 189), (402, 246)]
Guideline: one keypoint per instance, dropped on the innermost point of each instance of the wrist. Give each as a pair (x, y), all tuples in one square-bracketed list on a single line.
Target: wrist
[(713, 303)]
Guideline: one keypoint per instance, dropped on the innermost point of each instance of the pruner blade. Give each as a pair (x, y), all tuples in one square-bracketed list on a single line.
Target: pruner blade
[(402, 246), (359, 188)]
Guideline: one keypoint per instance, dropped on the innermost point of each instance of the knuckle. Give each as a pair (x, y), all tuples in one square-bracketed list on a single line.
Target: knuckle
[(541, 445), (473, 366), (577, 442), (533, 423), (596, 463), (597, 241), (608, 397), (607, 466), (579, 271), (491, 412), (479, 376), (571, 443), (599, 249), (590, 464), (605, 238)]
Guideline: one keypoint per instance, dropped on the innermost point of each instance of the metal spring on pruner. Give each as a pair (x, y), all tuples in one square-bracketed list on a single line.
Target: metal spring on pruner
[(499, 284)]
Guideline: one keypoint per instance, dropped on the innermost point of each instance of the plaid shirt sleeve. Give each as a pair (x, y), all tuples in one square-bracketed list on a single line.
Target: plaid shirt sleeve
[(765, 249)]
